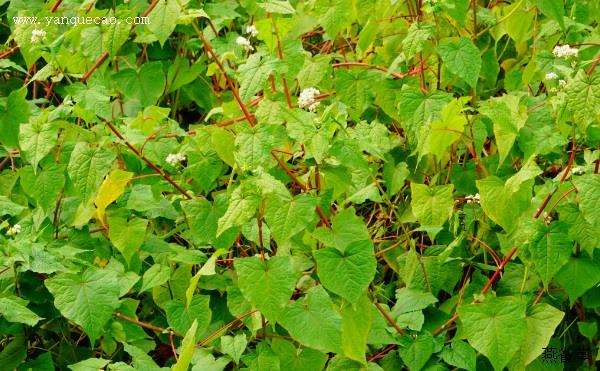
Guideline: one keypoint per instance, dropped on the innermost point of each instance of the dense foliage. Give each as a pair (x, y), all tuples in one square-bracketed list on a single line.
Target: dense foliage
[(300, 185)]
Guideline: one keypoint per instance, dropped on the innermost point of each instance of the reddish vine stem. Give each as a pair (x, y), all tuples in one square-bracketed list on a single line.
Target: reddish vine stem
[(228, 79), (386, 315), (173, 346), (147, 161), (140, 323), (9, 52), (489, 284), (299, 183), (150, 8), (562, 179), (210, 337), (280, 54), (94, 67), (396, 75), (55, 6)]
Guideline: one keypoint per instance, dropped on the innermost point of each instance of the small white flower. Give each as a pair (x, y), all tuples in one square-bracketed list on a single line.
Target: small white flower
[(473, 198), (14, 230), (564, 51), (551, 76), (562, 83), (244, 43), (251, 30), (307, 100), (37, 36), (547, 218), (68, 102), (578, 170), (175, 159)]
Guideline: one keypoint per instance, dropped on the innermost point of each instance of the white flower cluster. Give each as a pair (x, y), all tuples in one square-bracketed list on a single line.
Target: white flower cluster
[(473, 198), (14, 230), (37, 36), (244, 43), (562, 83), (175, 159), (551, 76), (564, 51), (251, 30), (307, 100), (547, 218), (578, 170)]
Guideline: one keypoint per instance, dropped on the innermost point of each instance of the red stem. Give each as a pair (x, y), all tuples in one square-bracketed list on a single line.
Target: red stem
[(55, 6), (9, 52), (396, 75), (148, 162)]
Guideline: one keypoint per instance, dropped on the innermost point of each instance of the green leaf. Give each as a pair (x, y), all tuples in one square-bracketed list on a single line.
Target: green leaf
[(583, 97), (277, 6), (394, 176), (297, 359), (163, 19), (432, 205), (550, 249), (267, 284), (14, 110), (414, 42), (44, 186), (442, 133), (460, 354), (145, 85), (496, 328), (90, 364), (588, 187), (87, 299), (253, 146), (508, 117), (181, 316), (347, 273), (87, 168), (287, 217), (127, 236), (554, 9), (36, 140), (313, 321), (335, 16), (587, 272), (356, 324), (254, 74), (352, 88), (14, 309), (7, 207), (415, 351), (463, 59), (542, 320), (242, 207), (203, 216), (346, 228), (234, 346), (187, 349), (514, 195), (156, 275)]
